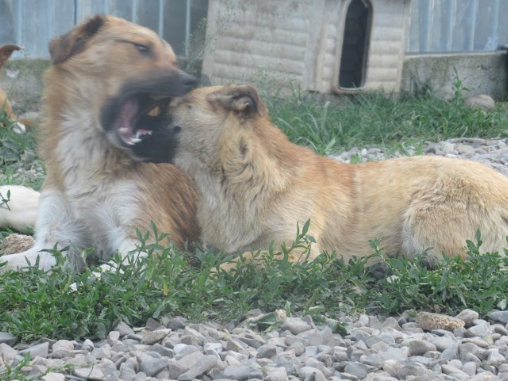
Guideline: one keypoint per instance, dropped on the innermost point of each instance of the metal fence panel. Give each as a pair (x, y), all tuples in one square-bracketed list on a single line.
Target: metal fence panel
[(32, 23), (457, 25), (435, 25)]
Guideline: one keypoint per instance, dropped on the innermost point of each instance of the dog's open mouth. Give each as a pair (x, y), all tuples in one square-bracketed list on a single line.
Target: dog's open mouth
[(126, 122)]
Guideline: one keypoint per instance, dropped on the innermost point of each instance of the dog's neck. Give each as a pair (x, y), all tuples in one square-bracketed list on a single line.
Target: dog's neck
[(239, 185), (72, 143)]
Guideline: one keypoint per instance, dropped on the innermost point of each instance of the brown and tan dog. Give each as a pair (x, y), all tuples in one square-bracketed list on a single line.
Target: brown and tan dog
[(5, 53), (255, 186), (106, 76)]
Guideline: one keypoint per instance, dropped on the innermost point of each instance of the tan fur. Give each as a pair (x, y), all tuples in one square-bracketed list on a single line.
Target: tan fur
[(95, 194), (5, 54), (255, 186)]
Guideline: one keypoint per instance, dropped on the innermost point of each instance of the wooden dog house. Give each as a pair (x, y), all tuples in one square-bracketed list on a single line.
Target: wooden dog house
[(328, 46)]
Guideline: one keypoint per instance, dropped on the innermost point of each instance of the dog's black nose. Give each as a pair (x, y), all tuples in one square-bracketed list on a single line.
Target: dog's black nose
[(190, 82)]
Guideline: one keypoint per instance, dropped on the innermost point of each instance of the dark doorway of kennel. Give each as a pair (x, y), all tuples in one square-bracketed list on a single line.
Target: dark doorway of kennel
[(355, 45)]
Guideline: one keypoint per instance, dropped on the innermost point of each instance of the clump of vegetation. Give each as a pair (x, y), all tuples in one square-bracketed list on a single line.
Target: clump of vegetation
[(62, 304)]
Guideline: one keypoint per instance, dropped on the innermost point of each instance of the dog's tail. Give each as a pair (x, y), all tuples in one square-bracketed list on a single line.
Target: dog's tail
[(18, 207)]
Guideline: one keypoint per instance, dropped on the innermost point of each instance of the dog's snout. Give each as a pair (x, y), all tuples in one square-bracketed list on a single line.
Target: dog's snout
[(190, 82)]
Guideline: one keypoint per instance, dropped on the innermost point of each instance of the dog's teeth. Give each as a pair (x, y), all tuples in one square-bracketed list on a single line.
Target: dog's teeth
[(123, 130), (138, 134), (135, 140)]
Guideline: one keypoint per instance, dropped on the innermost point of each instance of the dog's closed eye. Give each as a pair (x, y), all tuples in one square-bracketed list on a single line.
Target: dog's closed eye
[(143, 49)]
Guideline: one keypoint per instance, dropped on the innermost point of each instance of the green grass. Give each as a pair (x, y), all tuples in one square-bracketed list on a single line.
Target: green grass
[(36, 304), (375, 119)]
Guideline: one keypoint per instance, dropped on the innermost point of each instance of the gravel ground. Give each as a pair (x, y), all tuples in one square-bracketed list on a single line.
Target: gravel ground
[(426, 347)]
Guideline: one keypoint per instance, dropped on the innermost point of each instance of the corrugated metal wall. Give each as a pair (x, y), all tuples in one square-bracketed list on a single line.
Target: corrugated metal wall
[(32, 23), (457, 25), (435, 25)]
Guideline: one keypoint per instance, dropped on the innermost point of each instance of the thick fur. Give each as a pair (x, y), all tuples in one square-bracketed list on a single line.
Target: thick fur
[(255, 186), (96, 194)]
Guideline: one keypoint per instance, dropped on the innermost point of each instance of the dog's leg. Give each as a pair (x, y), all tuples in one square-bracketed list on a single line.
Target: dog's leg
[(436, 230), (55, 226)]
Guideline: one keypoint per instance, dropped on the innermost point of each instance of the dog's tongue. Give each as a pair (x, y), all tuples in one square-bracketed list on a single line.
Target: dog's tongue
[(125, 118), (128, 112)]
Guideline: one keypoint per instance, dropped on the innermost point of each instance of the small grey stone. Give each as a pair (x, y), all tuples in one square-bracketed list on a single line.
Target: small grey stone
[(468, 315), (191, 336), (127, 373), (253, 341), (162, 350), (150, 365), (38, 350), (212, 347), (203, 366), (175, 370), (450, 353), (266, 351), (315, 363), (113, 337), (481, 101), (155, 336), (469, 348), (480, 330), (443, 342), (235, 345), (140, 377), (498, 328), (451, 370), (8, 338), (242, 372), (88, 345), (357, 369), (420, 347), (343, 376), (308, 372), (469, 368), (391, 323), (177, 323), (94, 374), (51, 376), (152, 324), (123, 329), (7, 353), (107, 367), (62, 349), (296, 325), (189, 360), (313, 336), (495, 358), (277, 374), (392, 367), (501, 316)]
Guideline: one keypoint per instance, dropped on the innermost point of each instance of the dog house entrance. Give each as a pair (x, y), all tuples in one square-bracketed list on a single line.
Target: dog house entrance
[(355, 45)]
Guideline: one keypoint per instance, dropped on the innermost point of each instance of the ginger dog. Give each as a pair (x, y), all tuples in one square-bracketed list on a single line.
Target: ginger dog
[(107, 74), (5, 53), (255, 186)]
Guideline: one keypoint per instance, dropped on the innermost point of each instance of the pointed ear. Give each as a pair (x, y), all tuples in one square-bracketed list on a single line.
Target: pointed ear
[(63, 47), (6, 51), (243, 99)]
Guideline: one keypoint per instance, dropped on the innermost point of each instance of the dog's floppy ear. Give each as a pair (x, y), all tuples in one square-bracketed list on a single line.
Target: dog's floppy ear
[(6, 51), (241, 98), (63, 47)]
